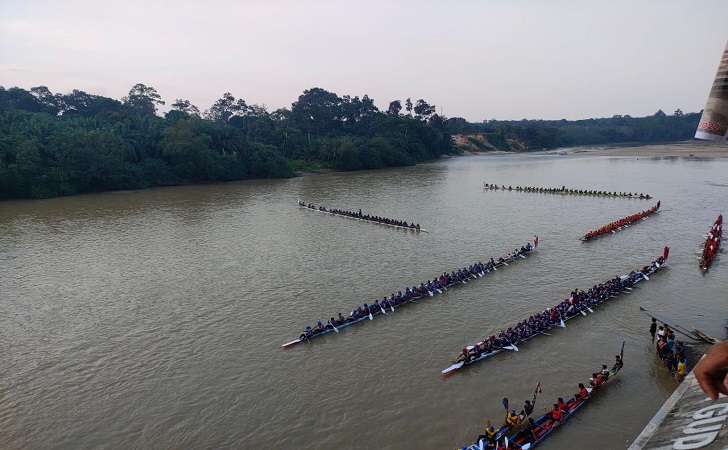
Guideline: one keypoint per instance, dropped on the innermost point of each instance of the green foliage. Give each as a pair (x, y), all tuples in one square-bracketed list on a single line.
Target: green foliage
[(547, 134), (63, 144)]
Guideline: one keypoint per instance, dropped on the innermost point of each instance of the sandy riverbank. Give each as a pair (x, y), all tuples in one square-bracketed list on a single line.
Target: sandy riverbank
[(692, 149)]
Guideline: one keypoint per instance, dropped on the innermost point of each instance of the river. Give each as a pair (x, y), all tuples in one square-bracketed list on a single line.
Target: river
[(155, 318)]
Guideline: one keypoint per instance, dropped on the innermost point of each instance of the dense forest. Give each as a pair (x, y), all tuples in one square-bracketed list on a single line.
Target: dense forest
[(64, 144)]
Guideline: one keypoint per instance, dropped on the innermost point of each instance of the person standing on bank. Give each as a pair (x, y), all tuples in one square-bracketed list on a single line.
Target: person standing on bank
[(653, 328)]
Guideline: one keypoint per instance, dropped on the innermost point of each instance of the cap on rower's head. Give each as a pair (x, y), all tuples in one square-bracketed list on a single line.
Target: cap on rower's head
[(491, 428)]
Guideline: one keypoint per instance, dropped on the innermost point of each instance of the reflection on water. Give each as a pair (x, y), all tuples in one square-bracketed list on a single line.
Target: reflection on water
[(154, 319)]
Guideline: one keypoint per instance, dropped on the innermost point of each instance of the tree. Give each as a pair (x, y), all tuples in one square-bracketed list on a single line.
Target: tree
[(317, 110), (678, 113), (660, 113), (186, 107), (408, 106), (143, 99), (394, 108), (225, 108), (46, 99), (423, 110)]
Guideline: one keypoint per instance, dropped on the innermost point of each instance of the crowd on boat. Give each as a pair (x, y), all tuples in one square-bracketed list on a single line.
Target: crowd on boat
[(579, 302), (712, 243), (670, 351), (361, 216), (565, 190), (532, 431), (611, 227), (437, 284)]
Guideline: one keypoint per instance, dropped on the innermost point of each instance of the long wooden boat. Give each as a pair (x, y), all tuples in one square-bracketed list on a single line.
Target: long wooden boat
[(521, 437), (566, 191), (330, 328), (624, 223), (545, 424), (626, 286), (712, 244), (376, 222)]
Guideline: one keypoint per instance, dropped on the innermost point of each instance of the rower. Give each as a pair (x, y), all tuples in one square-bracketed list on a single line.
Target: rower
[(531, 428), (341, 319), (618, 363), (596, 381), (511, 419), (489, 436), (604, 372), (527, 408), (464, 355), (556, 414), (319, 327), (562, 405), (583, 393)]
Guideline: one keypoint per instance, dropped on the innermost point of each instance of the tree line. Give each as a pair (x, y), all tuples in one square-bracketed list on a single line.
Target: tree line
[(64, 144), (550, 134)]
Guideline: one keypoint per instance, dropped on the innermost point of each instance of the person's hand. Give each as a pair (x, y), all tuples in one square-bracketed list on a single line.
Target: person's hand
[(712, 371)]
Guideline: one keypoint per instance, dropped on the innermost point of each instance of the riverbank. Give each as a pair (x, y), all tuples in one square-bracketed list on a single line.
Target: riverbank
[(688, 149)]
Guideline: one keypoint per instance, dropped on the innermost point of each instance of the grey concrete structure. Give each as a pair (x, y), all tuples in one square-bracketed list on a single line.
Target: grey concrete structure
[(687, 420)]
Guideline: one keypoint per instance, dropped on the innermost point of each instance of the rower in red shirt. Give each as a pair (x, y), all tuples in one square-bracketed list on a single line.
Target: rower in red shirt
[(583, 393), (556, 413)]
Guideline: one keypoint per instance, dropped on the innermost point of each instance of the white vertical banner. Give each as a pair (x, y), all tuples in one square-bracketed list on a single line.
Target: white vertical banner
[(713, 124)]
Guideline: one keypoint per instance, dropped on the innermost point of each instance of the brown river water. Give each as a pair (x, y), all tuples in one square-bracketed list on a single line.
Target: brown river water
[(154, 319)]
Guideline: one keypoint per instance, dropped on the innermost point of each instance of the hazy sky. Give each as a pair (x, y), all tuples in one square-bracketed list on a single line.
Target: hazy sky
[(477, 59)]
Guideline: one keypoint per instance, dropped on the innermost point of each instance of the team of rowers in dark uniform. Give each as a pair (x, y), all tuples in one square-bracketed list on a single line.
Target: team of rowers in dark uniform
[(712, 243), (565, 190), (361, 216), (437, 284), (620, 223), (535, 430), (578, 303)]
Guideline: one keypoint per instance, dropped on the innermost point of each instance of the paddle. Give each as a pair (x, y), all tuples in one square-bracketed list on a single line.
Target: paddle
[(590, 310), (581, 311), (383, 310), (370, 316), (505, 406), (536, 391), (429, 292), (332, 324), (562, 324), (646, 277), (512, 345)]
